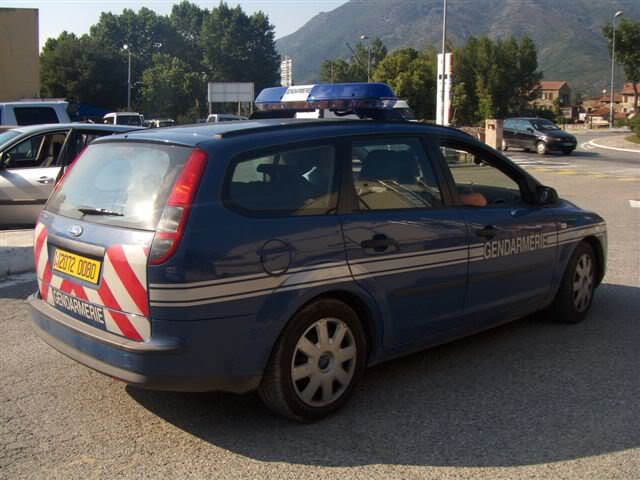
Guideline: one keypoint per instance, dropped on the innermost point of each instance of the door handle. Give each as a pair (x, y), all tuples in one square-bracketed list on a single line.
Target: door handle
[(45, 180), (378, 244), (488, 232)]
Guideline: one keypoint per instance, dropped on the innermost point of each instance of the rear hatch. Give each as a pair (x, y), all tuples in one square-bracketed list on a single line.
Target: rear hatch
[(95, 237)]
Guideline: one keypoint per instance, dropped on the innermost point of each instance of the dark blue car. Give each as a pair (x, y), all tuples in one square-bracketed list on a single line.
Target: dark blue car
[(287, 255)]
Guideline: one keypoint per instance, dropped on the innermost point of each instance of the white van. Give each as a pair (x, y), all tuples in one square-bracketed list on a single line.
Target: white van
[(124, 118), (224, 117), (34, 112)]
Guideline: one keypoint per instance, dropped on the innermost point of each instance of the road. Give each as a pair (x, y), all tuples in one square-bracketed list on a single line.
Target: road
[(527, 400)]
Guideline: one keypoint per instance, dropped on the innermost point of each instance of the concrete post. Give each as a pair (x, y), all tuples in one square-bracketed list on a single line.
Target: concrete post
[(493, 133)]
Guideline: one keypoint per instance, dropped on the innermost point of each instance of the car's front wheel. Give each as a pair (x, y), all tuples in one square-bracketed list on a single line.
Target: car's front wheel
[(316, 363), (541, 148), (575, 295)]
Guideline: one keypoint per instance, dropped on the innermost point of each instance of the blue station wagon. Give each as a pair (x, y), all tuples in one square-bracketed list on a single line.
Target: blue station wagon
[(286, 255)]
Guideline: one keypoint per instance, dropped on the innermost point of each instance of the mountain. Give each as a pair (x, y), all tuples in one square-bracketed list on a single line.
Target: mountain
[(568, 33)]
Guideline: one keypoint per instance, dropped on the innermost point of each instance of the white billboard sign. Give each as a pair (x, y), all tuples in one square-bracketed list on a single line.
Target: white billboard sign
[(224, 92)]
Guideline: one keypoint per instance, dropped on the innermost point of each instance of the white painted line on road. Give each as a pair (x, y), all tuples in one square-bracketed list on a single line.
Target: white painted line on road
[(587, 145), (629, 150), (634, 203)]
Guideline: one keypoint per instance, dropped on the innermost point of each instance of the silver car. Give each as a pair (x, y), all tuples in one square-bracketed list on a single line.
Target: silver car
[(31, 158)]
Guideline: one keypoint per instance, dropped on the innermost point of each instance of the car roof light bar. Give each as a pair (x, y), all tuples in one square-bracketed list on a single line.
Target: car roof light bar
[(334, 96)]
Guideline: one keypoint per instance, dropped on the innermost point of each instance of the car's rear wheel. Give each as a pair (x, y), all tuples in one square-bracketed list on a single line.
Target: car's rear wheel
[(575, 295), (316, 363), (541, 148)]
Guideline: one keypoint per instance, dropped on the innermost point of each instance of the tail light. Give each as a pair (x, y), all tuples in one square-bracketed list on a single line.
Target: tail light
[(174, 217)]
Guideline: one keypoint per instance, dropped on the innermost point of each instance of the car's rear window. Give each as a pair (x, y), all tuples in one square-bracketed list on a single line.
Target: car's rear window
[(35, 115), (131, 181), (129, 120)]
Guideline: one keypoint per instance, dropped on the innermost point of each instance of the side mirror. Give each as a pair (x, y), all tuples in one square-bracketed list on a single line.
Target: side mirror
[(529, 129), (546, 195)]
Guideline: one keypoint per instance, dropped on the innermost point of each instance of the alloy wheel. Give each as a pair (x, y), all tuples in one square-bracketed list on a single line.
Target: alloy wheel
[(323, 362), (583, 283)]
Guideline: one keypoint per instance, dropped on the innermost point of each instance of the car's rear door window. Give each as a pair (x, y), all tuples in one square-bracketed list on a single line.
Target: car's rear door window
[(35, 115), (393, 173), (284, 182), (129, 181)]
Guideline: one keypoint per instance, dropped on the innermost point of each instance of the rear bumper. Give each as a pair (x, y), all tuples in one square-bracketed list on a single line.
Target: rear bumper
[(163, 363)]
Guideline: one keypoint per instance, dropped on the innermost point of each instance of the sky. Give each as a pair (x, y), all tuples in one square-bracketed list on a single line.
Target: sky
[(78, 16)]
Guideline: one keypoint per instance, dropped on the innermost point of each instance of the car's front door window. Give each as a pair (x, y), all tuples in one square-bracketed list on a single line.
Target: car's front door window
[(37, 151), (478, 183)]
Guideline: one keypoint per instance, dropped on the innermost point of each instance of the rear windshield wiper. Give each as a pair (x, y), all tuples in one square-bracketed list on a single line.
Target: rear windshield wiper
[(99, 211)]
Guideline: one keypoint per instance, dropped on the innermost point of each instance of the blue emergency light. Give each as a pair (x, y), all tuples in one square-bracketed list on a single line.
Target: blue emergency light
[(331, 96)]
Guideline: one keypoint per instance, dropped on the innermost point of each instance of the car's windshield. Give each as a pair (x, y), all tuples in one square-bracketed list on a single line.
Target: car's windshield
[(543, 124), (8, 135)]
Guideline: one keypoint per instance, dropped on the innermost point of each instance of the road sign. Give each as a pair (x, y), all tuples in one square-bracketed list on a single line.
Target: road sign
[(224, 92)]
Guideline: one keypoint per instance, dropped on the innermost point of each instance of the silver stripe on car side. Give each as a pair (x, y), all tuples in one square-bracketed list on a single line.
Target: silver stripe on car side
[(247, 286)]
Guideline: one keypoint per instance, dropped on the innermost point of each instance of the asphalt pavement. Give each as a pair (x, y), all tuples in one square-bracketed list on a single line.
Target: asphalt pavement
[(530, 399)]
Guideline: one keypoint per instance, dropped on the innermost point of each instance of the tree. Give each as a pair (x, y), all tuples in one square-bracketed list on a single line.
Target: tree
[(412, 75), (336, 71), (170, 89), (627, 51), (355, 70), (83, 69), (239, 48), (494, 78), (187, 18)]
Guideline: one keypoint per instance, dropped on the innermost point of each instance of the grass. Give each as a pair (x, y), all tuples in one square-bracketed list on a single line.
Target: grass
[(633, 139)]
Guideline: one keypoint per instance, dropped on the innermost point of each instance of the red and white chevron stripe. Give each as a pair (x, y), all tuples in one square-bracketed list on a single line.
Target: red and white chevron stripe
[(122, 290)]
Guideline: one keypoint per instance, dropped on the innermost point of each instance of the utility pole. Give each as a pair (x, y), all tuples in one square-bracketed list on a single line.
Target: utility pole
[(613, 63), (365, 37), (444, 43), (126, 47)]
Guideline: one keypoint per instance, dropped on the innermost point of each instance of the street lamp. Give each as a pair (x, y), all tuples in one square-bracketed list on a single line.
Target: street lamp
[(613, 63), (364, 37), (126, 47)]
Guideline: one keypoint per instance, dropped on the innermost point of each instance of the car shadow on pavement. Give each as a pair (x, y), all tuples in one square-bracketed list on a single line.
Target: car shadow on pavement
[(525, 393)]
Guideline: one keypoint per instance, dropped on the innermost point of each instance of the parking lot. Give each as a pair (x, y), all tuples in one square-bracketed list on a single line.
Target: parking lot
[(531, 399)]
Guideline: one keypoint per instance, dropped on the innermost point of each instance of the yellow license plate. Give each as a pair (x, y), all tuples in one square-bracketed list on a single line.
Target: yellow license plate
[(77, 266)]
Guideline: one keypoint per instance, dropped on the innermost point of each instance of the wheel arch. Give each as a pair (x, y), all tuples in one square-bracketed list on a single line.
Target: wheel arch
[(364, 306), (598, 251)]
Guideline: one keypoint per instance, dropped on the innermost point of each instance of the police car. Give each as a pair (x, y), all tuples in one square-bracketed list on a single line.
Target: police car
[(286, 255)]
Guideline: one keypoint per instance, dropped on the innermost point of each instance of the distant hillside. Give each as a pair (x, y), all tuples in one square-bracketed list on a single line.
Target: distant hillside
[(567, 33)]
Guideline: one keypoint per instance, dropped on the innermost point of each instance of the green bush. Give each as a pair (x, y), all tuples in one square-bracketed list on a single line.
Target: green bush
[(634, 124)]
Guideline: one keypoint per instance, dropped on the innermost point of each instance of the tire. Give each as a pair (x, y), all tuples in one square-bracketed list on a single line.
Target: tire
[(567, 152), (569, 306), (505, 147), (334, 368), (541, 148)]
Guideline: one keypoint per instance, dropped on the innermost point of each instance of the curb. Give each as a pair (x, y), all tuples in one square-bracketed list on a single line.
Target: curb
[(16, 252), (16, 260), (595, 144)]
